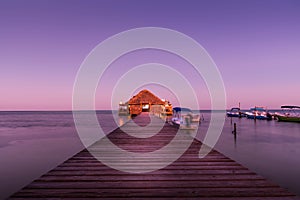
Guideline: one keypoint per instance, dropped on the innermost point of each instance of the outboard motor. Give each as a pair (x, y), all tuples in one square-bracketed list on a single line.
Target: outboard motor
[(269, 116)]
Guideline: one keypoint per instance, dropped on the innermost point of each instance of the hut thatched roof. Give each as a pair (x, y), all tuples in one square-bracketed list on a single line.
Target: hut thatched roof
[(145, 97)]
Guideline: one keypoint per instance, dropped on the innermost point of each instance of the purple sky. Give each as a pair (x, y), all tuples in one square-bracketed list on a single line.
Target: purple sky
[(255, 44)]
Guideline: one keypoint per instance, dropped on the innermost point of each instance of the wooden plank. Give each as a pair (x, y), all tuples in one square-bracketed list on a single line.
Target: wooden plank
[(102, 167), (163, 198), (126, 184), (159, 172), (155, 192), (150, 177), (141, 163)]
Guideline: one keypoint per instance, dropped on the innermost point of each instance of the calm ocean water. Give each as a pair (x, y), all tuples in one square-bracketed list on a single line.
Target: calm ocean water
[(32, 143), (269, 148)]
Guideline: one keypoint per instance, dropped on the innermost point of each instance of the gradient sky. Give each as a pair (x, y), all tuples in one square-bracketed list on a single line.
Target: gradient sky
[(255, 44)]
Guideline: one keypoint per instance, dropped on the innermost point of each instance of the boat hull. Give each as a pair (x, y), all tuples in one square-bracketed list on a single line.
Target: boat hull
[(287, 118), (175, 122), (179, 124), (233, 114), (261, 117)]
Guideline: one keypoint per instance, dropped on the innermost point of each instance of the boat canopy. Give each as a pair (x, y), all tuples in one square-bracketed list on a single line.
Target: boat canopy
[(235, 109), (179, 109), (290, 107), (258, 109)]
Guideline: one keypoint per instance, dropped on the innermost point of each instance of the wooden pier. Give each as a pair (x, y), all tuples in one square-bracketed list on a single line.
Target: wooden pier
[(212, 177)]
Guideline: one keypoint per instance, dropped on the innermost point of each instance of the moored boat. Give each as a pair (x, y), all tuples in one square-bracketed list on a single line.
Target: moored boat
[(258, 112), (289, 114), (123, 109), (235, 112), (184, 117)]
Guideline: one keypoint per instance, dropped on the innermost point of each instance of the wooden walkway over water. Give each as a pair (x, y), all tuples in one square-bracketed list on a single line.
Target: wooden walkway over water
[(212, 177)]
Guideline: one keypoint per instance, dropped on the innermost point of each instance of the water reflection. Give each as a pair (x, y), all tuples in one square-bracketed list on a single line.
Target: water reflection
[(191, 133), (123, 119), (269, 148)]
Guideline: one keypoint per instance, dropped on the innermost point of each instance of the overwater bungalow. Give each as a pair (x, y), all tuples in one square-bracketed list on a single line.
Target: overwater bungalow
[(146, 101)]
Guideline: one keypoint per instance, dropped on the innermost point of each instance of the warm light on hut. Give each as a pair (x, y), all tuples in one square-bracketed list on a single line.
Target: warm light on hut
[(146, 101)]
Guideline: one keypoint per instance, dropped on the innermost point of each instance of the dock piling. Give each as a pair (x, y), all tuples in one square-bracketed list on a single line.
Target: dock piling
[(234, 129)]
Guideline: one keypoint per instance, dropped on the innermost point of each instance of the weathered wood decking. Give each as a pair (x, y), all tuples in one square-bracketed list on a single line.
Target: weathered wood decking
[(213, 177)]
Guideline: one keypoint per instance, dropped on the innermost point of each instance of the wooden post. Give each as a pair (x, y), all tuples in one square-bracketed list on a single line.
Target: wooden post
[(255, 114), (234, 130), (240, 113)]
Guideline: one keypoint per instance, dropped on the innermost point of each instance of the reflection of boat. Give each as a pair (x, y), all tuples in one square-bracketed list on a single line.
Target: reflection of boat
[(235, 112), (290, 114), (184, 117), (258, 113)]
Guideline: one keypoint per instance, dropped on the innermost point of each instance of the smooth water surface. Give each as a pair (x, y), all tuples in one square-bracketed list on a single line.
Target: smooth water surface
[(270, 148)]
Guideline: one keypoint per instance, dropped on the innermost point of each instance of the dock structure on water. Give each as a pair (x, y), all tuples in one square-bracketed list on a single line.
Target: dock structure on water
[(212, 177), (145, 101)]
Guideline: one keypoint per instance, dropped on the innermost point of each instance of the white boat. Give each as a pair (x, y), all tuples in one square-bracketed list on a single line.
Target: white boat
[(184, 118), (258, 112), (123, 109), (235, 112), (289, 114)]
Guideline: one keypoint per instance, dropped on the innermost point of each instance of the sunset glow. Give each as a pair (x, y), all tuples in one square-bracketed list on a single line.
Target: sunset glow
[(255, 45)]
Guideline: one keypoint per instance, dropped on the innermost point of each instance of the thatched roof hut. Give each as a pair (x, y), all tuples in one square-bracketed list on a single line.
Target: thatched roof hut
[(144, 101), (145, 97)]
